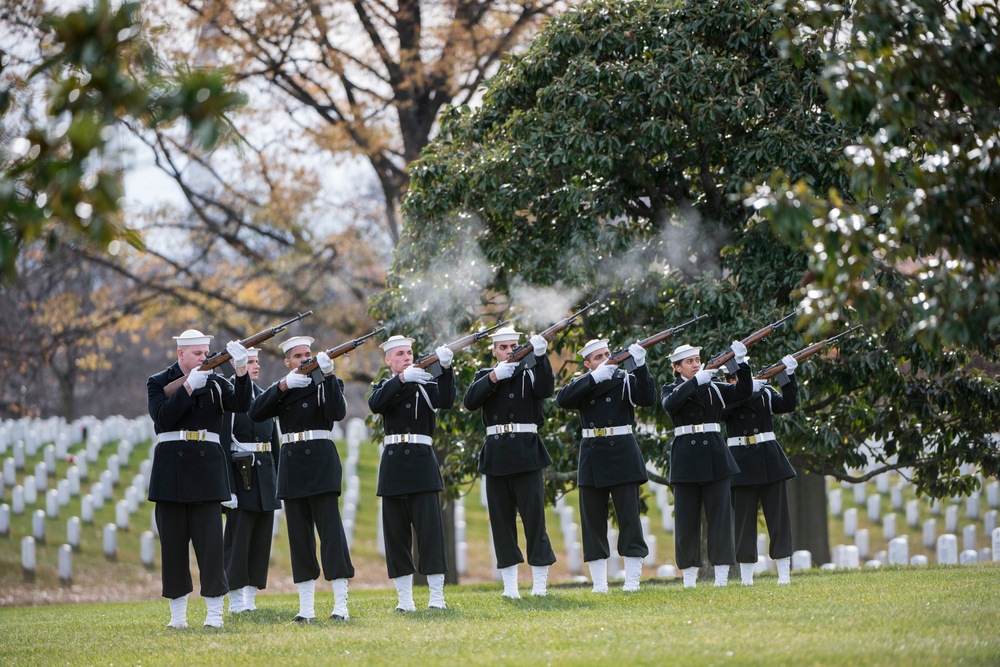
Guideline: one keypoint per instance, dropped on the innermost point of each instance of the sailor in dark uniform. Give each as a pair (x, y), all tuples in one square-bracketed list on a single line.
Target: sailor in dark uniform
[(309, 473), (409, 479), (764, 469), (610, 461), (188, 481), (701, 465), (513, 455), (253, 452)]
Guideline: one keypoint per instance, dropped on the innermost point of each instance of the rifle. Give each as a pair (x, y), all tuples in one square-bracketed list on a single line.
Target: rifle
[(216, 359), (430, 360), (523, 351), (624, 356), (779, 368), (726, 358), (308, 366)]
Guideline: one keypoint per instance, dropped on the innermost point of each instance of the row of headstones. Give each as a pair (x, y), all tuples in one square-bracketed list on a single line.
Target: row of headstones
[(22, 438), (898, 553), (65, 552), (873, 504)]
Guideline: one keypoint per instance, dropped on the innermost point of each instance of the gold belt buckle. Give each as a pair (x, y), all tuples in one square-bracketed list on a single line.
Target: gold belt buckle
[(752, 440), (506, 428), (196, 436), (298, 437), (600, 432)]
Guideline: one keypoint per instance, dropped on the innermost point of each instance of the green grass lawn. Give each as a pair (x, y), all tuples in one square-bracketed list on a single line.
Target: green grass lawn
[(889, 616)]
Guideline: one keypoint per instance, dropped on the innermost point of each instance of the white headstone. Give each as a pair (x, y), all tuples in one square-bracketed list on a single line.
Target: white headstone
[(17, 500), (73, 479), (19, 455), (147, 549), (52, 503), (462, 557), (969, 537), (851, 558), (66, 564), (918, 559), (862, 543), (73, 532), (934, 507), (947, 549), (87, 508), (899, 551), (132, 497), (930, 533), (860, 494), (41, 477), (874, 508), (62, 492), (836, 502), (4, 519), (38, 525), (873, 564), (108, 483), (992, 493), (667, 519), (110, 541), (650, 559), (30, 490), (882, 483), (985, 555), (81, 464), (97, 493), (49, 454), (9, 471), (990, 522), (761, 566), (995, 537), (574, 557), (801, 560), (968, 557), (951, 519), (121, 515), (896, 497), (913, 513), (889, 526), (666, 571), (850, 522), (113, 470), (972, 506), (28, 556)]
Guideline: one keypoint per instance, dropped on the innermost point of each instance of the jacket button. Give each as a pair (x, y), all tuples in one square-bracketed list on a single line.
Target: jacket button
[(591, 402), (406, 451), (511, 416), (607, 400), (180, 453), (704, 442), (288, 451), (510, 395), (391, 452), (201, 453), (755, 431), (496, 417), (305, 405), (409, 405), (591, 424)]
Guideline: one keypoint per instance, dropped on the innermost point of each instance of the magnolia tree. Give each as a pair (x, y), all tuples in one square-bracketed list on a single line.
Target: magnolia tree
[(610, 162)]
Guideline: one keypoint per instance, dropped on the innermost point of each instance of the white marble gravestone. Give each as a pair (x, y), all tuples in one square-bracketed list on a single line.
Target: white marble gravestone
[(947, 549), (930, 533), (889, 526), (899, 551), (850, 522)]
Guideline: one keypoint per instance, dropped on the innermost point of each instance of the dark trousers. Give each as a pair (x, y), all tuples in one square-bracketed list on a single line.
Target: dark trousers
[(304, 517), (594, 521), (773, 498), (199, 524), (689, 499), (508, 495), (422, 511), (248, 547)]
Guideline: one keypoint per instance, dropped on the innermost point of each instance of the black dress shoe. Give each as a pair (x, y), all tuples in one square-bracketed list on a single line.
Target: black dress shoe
[(302, 619), (337, 617)]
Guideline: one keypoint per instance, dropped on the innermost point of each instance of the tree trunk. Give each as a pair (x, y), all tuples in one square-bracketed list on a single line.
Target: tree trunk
[(810, 524)]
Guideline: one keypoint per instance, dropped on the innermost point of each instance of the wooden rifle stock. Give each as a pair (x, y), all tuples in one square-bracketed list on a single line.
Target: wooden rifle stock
[(522, 351), (431, 358), (722, 359), (805, 352), (309, 365), (219, 358), (646, 343)]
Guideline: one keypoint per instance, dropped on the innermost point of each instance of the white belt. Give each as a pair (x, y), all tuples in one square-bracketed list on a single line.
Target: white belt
[(697, 428), (302, 436), (407, 437), (747, 440), (606, 432), (501, 429), (251, 447), (197, 436)]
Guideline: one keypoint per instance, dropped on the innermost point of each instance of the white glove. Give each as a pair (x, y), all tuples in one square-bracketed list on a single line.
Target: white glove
[(197, 378), (414, 374), (739, 351), (325, 363), (790, 363), (704, 377), (504, 370), (638, 353), (232, 502), (444, 355), (603, 372), (758, 385), (297, 380), (238, 353), (539, 343)]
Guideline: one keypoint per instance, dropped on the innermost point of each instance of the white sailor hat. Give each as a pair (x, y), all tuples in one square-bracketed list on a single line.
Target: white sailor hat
[(295, 341), (683, 352), (396, 341), (193, 337), (592, 346), (504, 334), (253, 352)]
